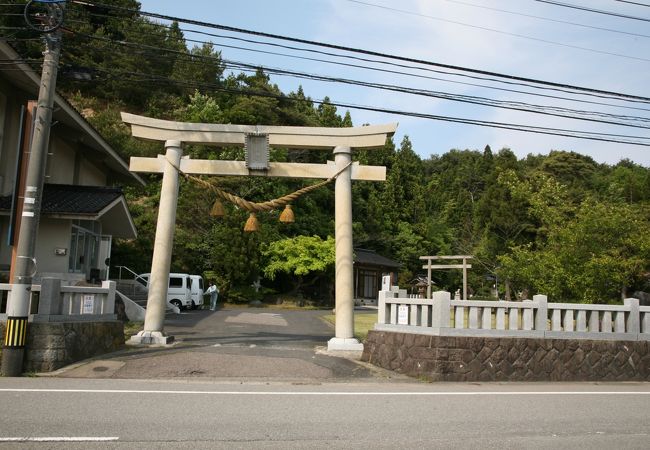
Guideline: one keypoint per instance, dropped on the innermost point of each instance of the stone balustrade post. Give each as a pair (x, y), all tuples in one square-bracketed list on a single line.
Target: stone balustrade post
[(383, 308), (633, 322), (49, 303), (541, 316), (108, 307), (440, 315)]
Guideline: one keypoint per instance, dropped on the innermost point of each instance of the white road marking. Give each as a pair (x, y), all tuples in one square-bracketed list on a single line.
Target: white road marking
[(318, 393), (258, 319), (58, 439)]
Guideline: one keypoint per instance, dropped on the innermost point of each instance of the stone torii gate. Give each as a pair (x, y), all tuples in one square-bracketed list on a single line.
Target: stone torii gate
[(256, 140)]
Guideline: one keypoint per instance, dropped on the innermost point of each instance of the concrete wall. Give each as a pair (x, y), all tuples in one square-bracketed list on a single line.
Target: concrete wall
[(51, 346), (446, 358)]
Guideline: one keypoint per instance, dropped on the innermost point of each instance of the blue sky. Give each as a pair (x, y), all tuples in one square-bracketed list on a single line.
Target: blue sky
[(468, 33)]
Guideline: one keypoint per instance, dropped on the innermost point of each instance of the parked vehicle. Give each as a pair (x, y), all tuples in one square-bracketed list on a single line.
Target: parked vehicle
[(179, 292), (196, 290)]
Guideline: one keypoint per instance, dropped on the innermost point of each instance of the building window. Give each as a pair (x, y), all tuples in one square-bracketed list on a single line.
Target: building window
[(367, 284), (85, 238)]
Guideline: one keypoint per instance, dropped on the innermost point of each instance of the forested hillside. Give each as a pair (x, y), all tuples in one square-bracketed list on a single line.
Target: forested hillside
[(562, 224)]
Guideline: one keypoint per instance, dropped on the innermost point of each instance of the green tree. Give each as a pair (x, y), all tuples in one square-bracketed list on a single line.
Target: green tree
[(592, 257), (301, 256)]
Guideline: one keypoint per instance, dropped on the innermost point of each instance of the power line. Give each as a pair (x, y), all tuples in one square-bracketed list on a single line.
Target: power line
[(365, 52), (635, 140), (387, 63), (523, 36), (597, 11), (517, 106), (401, 66), (579, 134), (548, 19), (633, 3)]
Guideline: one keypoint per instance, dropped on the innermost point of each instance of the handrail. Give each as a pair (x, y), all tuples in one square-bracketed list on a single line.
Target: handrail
[(119, 276)]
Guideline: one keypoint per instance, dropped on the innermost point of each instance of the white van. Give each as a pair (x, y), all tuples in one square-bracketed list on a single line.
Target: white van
[(196, 290), (178, 290)]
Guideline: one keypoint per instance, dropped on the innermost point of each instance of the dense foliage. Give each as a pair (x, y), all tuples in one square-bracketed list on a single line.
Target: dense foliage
[(560, 224)]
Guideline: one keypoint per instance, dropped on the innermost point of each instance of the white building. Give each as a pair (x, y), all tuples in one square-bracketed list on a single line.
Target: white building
[(83, 207)]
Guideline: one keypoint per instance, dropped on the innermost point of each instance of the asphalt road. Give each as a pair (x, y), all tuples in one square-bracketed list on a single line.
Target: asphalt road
[(202, 414), (261, 379)]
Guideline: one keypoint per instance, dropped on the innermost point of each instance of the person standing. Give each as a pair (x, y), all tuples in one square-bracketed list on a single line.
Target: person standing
[(213, 290)]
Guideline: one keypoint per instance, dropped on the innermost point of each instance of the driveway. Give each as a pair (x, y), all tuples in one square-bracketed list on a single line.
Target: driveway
[(239, 344)]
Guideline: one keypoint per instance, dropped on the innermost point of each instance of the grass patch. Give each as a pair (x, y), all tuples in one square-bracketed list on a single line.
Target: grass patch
[(363, 322), (131, 328)]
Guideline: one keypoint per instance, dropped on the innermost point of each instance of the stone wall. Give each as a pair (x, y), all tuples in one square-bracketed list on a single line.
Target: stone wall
[(53, 345), (444, 358)]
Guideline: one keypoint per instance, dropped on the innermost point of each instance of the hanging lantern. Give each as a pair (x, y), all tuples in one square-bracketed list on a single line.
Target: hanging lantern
[(287, 215), (217, 209), (252, 224)]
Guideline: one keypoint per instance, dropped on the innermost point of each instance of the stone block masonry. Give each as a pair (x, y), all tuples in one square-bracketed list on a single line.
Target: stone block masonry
[(454, 358), (53, 345)]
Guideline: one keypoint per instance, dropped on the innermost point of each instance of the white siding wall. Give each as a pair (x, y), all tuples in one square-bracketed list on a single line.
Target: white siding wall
[(60, 163), (9, 145), (90, 175), (53, 233), (5, 250)]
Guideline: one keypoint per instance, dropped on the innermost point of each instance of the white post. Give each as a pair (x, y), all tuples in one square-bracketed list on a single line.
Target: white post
[(541, 318), (440, 315), (384, 310), (344, 328), (162, 251), (633, 321)]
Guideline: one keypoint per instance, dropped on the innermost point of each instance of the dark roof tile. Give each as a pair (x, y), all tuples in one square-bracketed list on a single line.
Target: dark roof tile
[(363, 256), (69, 199)]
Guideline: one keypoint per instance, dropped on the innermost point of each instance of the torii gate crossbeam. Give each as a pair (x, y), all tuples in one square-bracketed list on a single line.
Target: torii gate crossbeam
[(341, 140)]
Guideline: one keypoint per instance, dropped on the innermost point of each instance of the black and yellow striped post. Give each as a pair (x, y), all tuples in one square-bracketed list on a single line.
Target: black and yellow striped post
[(13, 349), (16, 332)]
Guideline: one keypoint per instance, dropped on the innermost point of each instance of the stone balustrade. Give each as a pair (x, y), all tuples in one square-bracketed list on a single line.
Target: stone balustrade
[(536, 318), (52, 302)]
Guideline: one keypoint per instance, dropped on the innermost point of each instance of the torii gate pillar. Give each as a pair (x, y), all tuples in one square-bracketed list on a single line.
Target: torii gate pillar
[(344, 330), (162, 251)]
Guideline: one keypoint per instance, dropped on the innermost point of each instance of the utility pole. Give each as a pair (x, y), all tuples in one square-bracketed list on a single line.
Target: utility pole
[(18, 302)]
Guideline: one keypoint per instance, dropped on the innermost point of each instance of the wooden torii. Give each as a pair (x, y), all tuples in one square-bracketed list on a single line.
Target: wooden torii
[(431, 267), (256, 140)]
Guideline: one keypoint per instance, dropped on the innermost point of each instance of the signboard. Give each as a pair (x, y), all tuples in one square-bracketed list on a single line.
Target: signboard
[(88, 305), (403, 315)]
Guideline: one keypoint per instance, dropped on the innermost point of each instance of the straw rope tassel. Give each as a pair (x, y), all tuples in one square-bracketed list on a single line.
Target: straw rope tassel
[(217, 209), (252, 224), (287, 215)]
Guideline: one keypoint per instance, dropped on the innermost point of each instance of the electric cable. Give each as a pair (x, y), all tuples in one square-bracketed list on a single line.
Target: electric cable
[(361, 51), (520, 106), (597, 11), (478, 27), (548, 19), (579, 134), (633, 3), (427, 69)]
